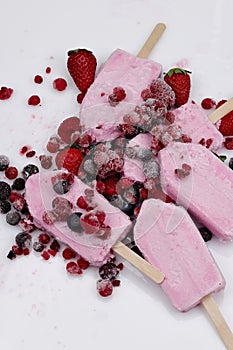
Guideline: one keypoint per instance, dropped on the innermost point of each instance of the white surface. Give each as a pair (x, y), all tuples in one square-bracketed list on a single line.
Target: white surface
[(42, 307)]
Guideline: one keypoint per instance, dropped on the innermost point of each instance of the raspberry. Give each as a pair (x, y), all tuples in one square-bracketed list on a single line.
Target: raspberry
[(26, 251), (116, 283), (53, 144), (17, 250), (146, 93), (49, 217), (90, 223), (73, 268), (120, 93), (68, 127), (68, 254), (45, 161), (208, 103), (19, 203), (38, 79), (82, 203), (11, 172), (44, 238), (34, 100), (82, 263), (104, 287), (161, 91), (59, 84), (120, 266), (5, 93), (27, 226), (62, 208), (85, 140)]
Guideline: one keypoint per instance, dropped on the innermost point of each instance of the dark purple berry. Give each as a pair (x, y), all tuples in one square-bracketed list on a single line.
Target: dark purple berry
[(18, 184), (38, 246), (55, 246), (108, 271), (73, 222), (206, 233), (231, 163), (61, 186), (5, 207), (29, 170), (4, 162), (11, 255), (23, 239), (13, 218), (5, 190)]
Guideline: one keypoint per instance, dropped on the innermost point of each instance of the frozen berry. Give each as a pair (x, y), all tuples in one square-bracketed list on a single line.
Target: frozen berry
[(82, 263), (73, 222), (49, 217), (5, 207), (4, 162), (29, 170), (33, 100), (45, 255), (61, 186), (59, 84), (23, 239), (30, 154), (53, 144), (5, 190), (55, 246), (208, 103), (11, 172), (44, 238), (104, 287), (38, 246), (18, 184), (68, 254), (73, 268), (38, 79), (45, 161), (108, 271), (205, 233), (17, 250)]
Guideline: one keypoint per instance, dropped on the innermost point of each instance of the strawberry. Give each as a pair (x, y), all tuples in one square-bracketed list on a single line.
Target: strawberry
[(226, 124), (70, 159), (81, 65), (179, 81)]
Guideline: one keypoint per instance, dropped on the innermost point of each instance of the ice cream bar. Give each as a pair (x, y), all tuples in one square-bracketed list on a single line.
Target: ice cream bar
[(194, 122), (133, 74), (198, 180), (94, 247), (171, 242)]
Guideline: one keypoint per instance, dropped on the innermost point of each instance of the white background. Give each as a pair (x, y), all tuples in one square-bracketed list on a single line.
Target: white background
[(40, 306)]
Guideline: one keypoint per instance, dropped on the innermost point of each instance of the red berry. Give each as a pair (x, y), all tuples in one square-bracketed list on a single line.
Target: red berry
[(208, 103), (38, 79), (45, 255), (82, 263), (30, 154), (5, 93), (73, 268), (59, 84), (145, 94), (119, 92), (11, 172), (44, 238), (120, 266), (70, 159), (48, 70), (116, 283), (68, 254), (26, 251), (55, 246), (82, 203), (104, 287), (45, 161), (34, 100), (90, 223), (68, 127), (17, 250), (226, 124), (53, 144), (179, 81)]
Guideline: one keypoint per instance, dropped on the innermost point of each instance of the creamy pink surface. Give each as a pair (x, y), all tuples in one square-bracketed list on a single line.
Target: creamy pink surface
[(195, 123), (207, 192), (121, 69), (171, 242), (39, 196)]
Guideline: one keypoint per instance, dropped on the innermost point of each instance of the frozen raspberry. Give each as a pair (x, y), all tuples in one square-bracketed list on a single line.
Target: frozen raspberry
[(11, 172), (120, 93), (46, 161), (82, 263), (38, 79), (90, 223), (34, 100), (44, 238), (85, 140), (129, 131), (53, 144), (55, 246), (116, 283), (68, 127), (73, 268), (45, 255), (62, 208), (5, 93), (163, 92), (19, 203), (145, 94), (151, 169), (49, 217), (59, 84), (82, 203), (68, 254), (208, 103), (104, 287), (38, 247)]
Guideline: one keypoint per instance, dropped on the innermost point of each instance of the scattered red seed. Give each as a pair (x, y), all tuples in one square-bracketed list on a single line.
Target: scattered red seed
[(5, 93), (11, 172), (116, 283), (73, 268), (30, 154), (45, 255), (53, 144), (38, 79), (45, 161), (34, 100), (208, 103), (59, 84), (68, 254), (104, 287), (48, 70), (44, 238), (82, 263), (27, 226)]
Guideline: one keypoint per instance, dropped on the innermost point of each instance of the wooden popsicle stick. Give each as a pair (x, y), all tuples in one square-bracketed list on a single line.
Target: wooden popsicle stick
[(152, 40), (120, 248), (139, 262), (221, 111), (218, 320)]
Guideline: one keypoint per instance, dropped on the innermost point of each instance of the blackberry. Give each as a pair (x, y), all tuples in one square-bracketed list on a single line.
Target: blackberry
[(73, 222), (5, 207), (231, 163), (23, 239), (38, 246), (4, 162), (13, 218), (61, 186), (18, 184), (108, 271), (5, 190), (29, 170), (206, 233)]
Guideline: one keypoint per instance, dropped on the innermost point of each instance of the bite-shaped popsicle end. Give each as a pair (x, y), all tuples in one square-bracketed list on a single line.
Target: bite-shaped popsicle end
[(171, 242), (92, 232)]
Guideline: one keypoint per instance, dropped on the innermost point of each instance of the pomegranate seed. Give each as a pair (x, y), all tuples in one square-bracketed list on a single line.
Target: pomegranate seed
[(48, 70), (45, 255), (24, 149), (104, 287), (34, 100), (73, 268), (11, 172), (208, 103), (59, 84), (82, 263), (68, 254), (44, 238), (38, 79)]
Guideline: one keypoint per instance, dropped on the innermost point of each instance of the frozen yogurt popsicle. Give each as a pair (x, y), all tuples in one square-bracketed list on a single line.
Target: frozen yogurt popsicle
[(92, 245), (198, 180), (171, 242), (123, 69)]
